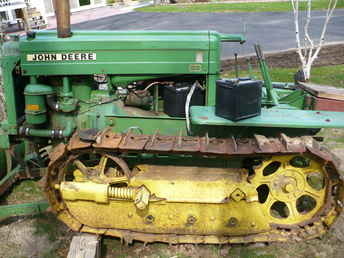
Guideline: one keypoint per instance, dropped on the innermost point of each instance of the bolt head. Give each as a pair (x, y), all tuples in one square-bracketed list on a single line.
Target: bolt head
[(191, 220), (232, 222), (288, 188), (149, 219)]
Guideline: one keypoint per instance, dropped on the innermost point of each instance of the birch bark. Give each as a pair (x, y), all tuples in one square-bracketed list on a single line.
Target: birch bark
[(308, 50)]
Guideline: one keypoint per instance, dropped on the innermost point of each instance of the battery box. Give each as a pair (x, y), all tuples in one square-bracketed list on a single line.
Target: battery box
[(238, 99), (175, 99)]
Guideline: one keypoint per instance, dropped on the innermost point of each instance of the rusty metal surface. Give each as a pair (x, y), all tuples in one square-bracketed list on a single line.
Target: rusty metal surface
[(293, 145), (296, 234), (76, 143), (108, 140), (62, 8), (194, 145), (217, 146), (133, 142), (160, 143), (187, 144), (268, 144), (58, 152)]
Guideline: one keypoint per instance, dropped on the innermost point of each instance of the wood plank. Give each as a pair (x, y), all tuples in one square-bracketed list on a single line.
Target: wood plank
[(85, 245), (323, 91), (329, 105)]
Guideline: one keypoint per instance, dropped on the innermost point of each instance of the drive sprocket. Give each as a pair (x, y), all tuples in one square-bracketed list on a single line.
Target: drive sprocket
[(292, 188)]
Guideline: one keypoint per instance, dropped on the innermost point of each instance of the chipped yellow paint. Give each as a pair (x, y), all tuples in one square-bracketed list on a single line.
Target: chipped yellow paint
[(73, 191), (193, 204)]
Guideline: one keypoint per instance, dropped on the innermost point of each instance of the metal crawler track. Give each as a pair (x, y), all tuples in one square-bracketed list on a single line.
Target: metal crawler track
[(114, 144)]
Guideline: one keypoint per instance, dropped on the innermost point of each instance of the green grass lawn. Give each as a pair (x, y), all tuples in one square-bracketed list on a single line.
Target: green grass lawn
[(237, 7), (327, 75)]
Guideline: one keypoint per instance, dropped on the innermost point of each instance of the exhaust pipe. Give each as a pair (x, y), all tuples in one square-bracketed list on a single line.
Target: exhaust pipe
[(62, 13)]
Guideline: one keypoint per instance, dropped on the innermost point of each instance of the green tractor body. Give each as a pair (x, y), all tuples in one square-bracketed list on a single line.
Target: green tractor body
[(100, 104)]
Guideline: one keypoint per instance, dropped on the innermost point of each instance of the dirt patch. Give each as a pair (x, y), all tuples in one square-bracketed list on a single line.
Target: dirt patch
[(332, 54), (19, 240), (34, 236), (113, 248)]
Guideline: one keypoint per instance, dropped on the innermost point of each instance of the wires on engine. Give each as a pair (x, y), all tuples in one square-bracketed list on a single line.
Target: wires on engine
[(187, 105)]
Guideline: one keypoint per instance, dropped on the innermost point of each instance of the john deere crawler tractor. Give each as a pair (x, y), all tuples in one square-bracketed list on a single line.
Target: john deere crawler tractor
[(128, 132)]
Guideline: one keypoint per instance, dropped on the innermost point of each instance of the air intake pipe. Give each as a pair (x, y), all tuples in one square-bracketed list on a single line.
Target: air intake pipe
[(49, 133), (62, 13)]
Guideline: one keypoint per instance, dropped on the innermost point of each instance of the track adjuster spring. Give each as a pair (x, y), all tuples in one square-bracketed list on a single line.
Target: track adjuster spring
[(126, 193)]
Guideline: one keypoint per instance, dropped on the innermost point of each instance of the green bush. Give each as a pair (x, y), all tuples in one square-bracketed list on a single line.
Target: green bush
[(84, 2)]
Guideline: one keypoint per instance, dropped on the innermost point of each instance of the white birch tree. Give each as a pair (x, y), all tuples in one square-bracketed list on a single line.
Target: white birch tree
[(308, 49)]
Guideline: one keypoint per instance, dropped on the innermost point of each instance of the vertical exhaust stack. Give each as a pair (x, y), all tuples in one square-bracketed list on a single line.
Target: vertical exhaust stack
[(62, 12)]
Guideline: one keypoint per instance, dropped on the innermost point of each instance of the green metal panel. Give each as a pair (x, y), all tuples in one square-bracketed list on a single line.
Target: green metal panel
[(126, 52), (273, 117), (294, 98), (82, 89), (148, 125), (5, 162), (211, 89), (4, 141), (23, 209), (35, 102), (9, 59)]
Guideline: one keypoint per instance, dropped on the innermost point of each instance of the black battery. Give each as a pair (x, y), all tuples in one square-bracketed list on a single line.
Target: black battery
[(238, 99), (175, 99)]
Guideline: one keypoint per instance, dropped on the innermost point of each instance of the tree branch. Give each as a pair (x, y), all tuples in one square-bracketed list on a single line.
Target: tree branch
[(309, 52)]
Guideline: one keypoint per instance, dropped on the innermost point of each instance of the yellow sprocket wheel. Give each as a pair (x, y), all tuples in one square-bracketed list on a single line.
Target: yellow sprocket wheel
[(292, 188)]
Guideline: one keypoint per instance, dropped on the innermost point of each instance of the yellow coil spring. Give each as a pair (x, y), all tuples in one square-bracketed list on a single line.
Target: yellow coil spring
[(118, 173), (126, 193)]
